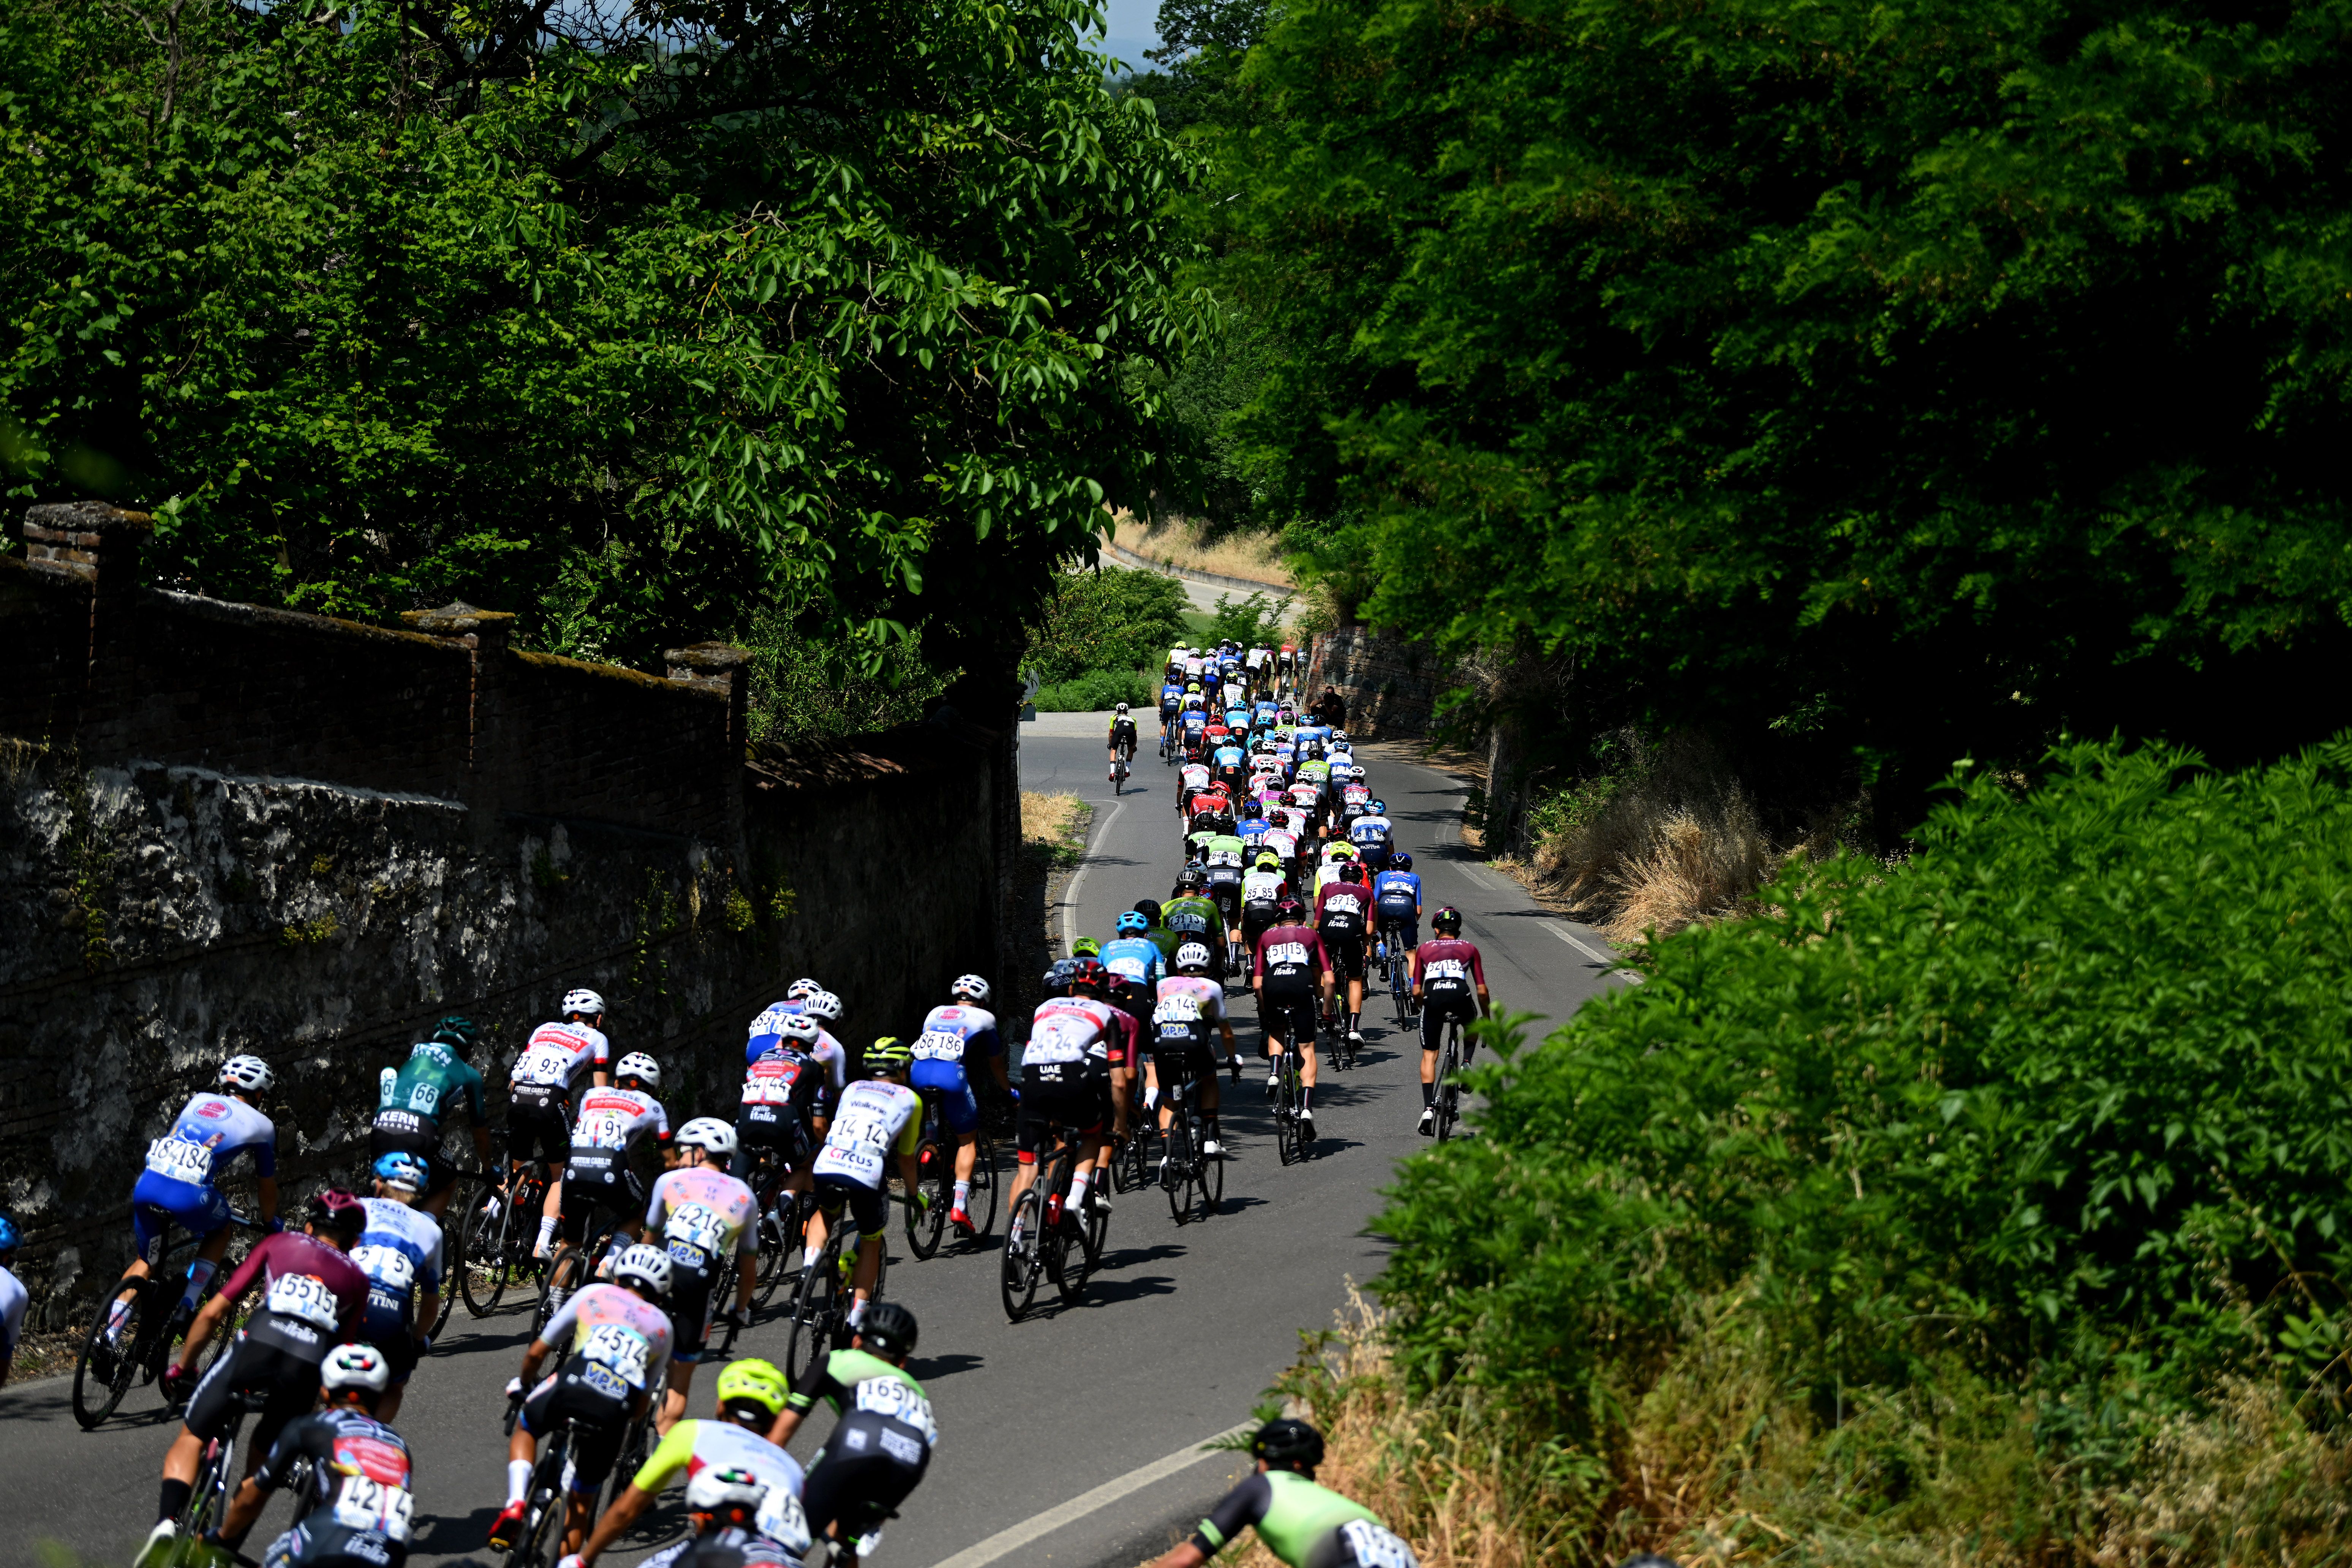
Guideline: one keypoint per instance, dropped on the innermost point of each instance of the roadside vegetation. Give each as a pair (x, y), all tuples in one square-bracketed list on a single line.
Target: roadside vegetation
[(1102, 638)]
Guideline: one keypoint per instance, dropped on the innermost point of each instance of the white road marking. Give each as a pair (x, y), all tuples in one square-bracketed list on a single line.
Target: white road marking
[(1070, 893), (1005, 1542)]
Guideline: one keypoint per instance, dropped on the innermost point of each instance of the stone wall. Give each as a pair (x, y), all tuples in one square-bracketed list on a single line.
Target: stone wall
[(1390, 685), (228, 829)]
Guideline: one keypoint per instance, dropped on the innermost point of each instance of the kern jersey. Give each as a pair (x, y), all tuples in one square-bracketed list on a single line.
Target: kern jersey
[(616, 1329), (613, 1119), (1449, 966), (1135, 963), (703, 1214), (361, 1476), (428, 1084), (211, 1131), (313, 1297), (399, 1251), (694, 1446), (1290, 960), (875, 1118), (956, 1034), (557, 1053)]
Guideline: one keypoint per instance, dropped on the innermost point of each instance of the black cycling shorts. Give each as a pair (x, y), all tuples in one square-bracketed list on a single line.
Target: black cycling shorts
[(1047, 1104), (869, 1209), (322, 1541), (1347, 954), (595, 1179), (690, 1285), (1438, 1007), (539, 1124), (868, 1467), (288, 1382), (582, 1388), (406, 1132), (778, 1127), (1288, 1015)]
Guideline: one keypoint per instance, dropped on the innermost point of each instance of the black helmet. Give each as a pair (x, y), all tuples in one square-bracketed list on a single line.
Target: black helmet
[(1288, 910), (889, 1331), (1057, 979), (1287, 1443), (1446, 921), (458, 1033), (1148, 909), (1194, 879)]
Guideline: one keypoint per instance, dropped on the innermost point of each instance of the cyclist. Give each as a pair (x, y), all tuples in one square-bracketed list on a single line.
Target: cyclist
[(1373, 835), (313, 1300), (1187, 1003), (1195, 721), (1343, 913), (1072, 1074), (1304, 1525), (882, 1442), (414, 1098), (1449, 980), (750, 1397), (1086, 947), (879, 1115), (1290, 963), (1171, 699), (354, 1504), (1136, 967), (701, 1214), (1123, 740), (953, 1037), (818, 1044), (1222, 857), (541, 1089), (12, 1297), (733, 1521), (180, 1186), (400, 1252), (1193, 916), (1229, 765), (779, 1105), (613, 1335), (1158, 933), (1262, 890), (1192, 779), (613, 1124), (1396, 902), (825, 1007)]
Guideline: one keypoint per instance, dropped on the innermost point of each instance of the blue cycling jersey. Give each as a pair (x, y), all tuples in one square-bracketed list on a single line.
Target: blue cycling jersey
[(1253, 832), (213, 1130), (1137, 961), (1230, 757), (1171, 695), (1396, 885)]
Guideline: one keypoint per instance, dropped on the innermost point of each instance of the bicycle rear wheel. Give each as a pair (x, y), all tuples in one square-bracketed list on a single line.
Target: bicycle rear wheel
[(933, 1161), (981, 1204), (1448, 1100), (1177, 1147), (815, 1305), (1023, 1260), (1211, 1183), (483, 1241), (96, 1395)]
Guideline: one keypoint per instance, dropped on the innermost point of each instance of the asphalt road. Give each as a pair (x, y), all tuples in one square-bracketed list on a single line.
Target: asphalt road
[(1181, 1331)]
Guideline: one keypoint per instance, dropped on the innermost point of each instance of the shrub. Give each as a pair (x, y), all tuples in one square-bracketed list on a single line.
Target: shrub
[(1110, 619), (1096, 690)]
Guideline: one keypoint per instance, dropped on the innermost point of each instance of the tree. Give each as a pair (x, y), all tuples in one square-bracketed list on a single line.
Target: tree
[(1916, 382), (1110, 618), (672, 307)]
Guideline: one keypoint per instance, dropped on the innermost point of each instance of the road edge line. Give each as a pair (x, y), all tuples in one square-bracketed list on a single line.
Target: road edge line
[(1084, 1503), (1085, 864)]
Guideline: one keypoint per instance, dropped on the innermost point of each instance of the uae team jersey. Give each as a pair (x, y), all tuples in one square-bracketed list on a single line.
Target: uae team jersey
[(557, 1053), (613, 1119)]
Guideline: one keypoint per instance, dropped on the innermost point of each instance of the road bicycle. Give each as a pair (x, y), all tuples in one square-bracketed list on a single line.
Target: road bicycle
[(1293, 1137), (822, 1293), (540, 1543), (574, 1267), (1118, 767), (1447, 1100), (106, 1368), (783, 1220), (1396, 968), (1331, 1027), (1046, 1240), (935, 1160), (494, 1239), (218, 1476), (1193, 1180), (1131, 1162)]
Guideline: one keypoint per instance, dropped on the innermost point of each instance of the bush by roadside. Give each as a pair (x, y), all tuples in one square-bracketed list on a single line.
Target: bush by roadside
[(1098, 690)]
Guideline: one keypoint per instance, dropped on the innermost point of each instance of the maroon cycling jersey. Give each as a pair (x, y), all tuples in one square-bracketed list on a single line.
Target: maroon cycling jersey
[(1342, 907), (315, 1293), (1290, 958), (1449, 967)]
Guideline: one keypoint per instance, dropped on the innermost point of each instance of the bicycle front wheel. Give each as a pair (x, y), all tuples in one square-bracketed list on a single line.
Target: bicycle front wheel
[(1209, 1183), (933, 1161), (1023, 1258), (815, 1305), (981, 1204), (482, 1245), (103, 1372)]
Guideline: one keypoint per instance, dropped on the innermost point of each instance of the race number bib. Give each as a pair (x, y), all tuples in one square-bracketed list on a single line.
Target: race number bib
[(854, 1144), (783, 1521), (1375, 1547), (889, 1397), (303, 1298), (388, 1266), (620, 1348), (1346, 904), (698, 1225), (425, 1099), (603, 1130), (181, 1159), (545, 1066), (1181, 1008), (1060, 1040), (1447, 973), (365, 1503), (939, 1046), (1286, 952)]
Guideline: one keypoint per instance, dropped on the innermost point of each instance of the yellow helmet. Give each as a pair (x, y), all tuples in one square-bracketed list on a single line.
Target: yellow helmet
[(755, 1380)]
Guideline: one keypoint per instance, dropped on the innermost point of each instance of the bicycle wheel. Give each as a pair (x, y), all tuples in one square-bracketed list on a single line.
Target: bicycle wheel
[(1285, 1116), (1076, 1246), (933, 1161), (1448, 1094), (1398, 993), (1177, 1145), (1209, 1185), (1017, 1274), (482, 1242), (102, 1374), (547, 1504), (981, 1204), (815, 1305)]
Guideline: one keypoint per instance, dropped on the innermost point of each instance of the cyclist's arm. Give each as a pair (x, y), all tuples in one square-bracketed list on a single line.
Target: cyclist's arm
[(210, 1316), (816, 1383), (265, 1190), (1238, 1509), (669, 1457), (1478, 973)]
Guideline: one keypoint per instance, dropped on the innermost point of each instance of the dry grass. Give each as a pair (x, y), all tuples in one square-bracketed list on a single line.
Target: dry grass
[(1178, 542), (1048, 818)]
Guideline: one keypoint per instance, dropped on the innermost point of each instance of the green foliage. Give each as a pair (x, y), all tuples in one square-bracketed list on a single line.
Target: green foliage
[(1098, 690), (451, 298), (1935, 379), (1110, 618), (2063, 1104), (1254, 622), (817, 684)]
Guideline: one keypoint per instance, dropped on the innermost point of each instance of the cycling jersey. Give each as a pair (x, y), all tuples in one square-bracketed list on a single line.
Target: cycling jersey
[(1263, 887), (1136, 963), (356, 1504), (555, 1057), (1369, 830), (1172, 697), (952, 1038), (827, 1052), (313, 1297), (1229, 757), (431, 1081), (1226, 849), (180, 1186), (1192, 918), (1302, 1523), (400, 1253), (1284, 841), (13, 1301), (1185, 1010), (1073, 1038), (779, 1093), (694, 1446), (611, 1120), (1166, 941), (875, 1117), (1251, 831), (1192, 779), (1342, 911), (1396, 899), (702, 1213), (1122, 732), (1450, 967), (613, 1328), (1290, 959)]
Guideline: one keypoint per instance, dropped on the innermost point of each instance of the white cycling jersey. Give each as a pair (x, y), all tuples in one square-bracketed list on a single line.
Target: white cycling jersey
[(557, 1053), (613, 1119), (874, 1115)]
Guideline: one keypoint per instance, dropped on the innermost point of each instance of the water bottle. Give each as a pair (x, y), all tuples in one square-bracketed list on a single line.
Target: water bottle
[(386, 1083)]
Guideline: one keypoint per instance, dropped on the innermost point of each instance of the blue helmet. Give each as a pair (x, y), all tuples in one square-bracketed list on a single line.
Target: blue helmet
[(1379, 808), (10, 1237), (1132, 923), (404, 1170), (1401, 861)]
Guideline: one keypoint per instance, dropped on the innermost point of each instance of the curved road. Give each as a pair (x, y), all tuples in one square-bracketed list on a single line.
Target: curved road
[(1180, 1333)]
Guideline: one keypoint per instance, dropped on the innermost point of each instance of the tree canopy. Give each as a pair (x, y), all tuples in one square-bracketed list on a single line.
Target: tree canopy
[(1923, 381), (664, 308)]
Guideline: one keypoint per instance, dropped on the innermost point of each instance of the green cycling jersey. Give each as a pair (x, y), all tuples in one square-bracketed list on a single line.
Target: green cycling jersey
[(428, 1080), (1292, 1516), (1192, 917)]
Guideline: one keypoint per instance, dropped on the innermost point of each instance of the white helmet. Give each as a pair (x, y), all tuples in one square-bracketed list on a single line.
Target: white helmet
[(1193, 955), (355, 1366), (581, 1001), (647, 1268), (969, 988), (800, 1029), (709, 1134), (801, 990), (713, 1489), (822, 1004), (250, 1074), (638, 1066)]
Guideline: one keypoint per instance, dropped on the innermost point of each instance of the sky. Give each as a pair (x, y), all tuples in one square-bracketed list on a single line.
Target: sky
[(1134, 27)]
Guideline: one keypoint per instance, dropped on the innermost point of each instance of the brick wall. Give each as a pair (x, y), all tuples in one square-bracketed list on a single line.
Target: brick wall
[(1390, 684)]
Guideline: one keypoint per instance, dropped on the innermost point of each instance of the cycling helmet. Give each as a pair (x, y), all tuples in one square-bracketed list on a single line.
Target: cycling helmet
[(1267, 861), (359, 1369), (1287, 1443), (11, 1238), (800, 1030), (1132, 923), (889, 1054), (1088, 972), (581, 1001), (638, 1066), (823, 1007), (459, 1033), (246, 1075), (969, 988), (1288, 910), (1379, 808), (403, 1170), (1122, 710), (336, 1210), (1446, 921), (713, 1137), (1401, 861), (1193, 879), (1193, 958), (733, 1493), (1086, 947), (645, 1269), (755, 1382), (801, 990), (1057, 979), (1148, 909), (888, 1329), (1351, 872)]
